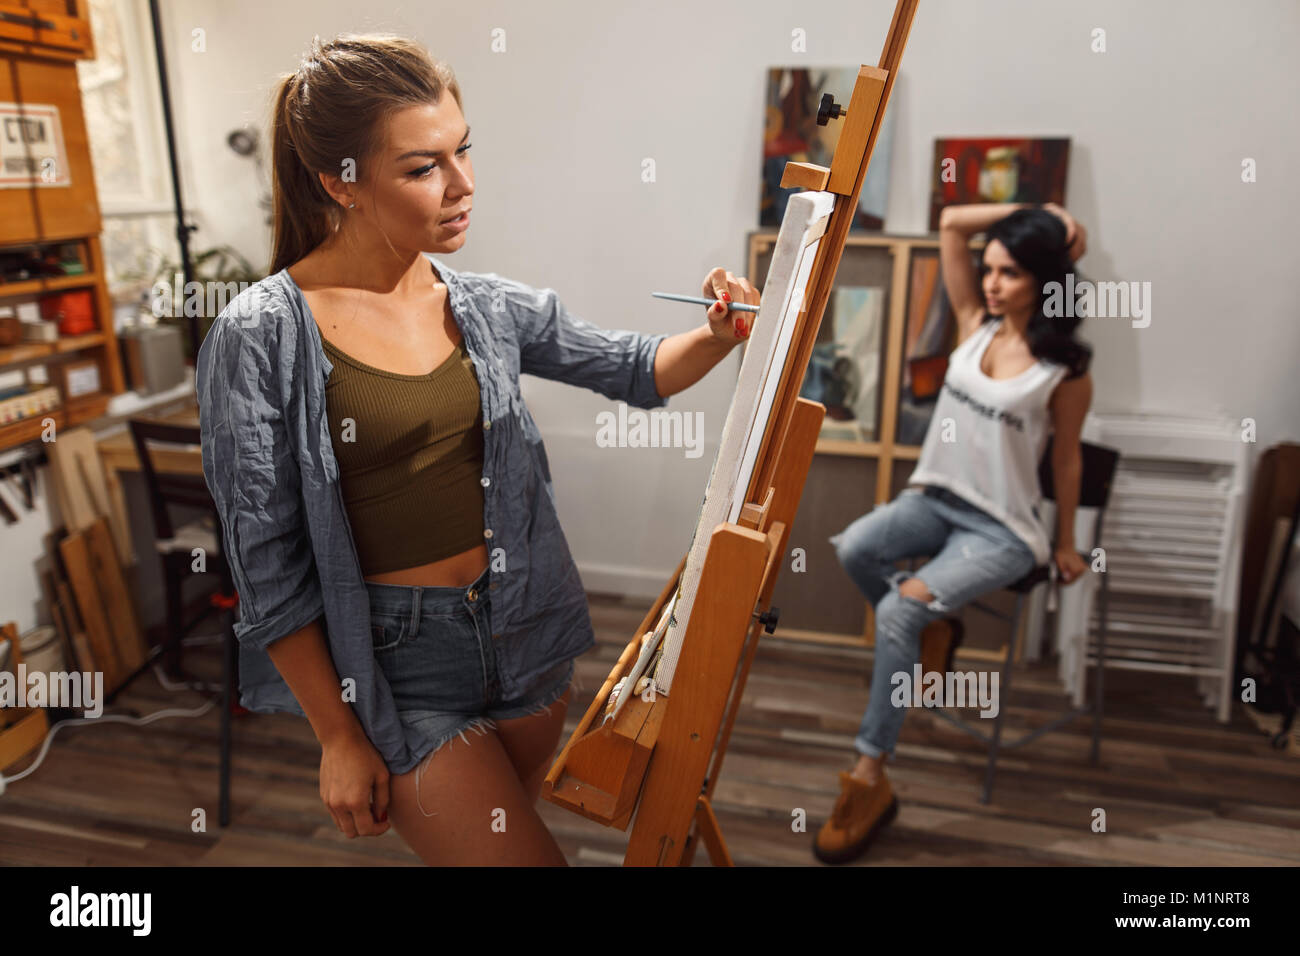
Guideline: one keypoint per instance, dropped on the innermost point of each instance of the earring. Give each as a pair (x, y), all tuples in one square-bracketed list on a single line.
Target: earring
[(352, 205)]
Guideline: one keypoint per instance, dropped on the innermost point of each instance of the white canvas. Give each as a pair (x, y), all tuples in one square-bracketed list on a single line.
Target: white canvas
[(751, 405)]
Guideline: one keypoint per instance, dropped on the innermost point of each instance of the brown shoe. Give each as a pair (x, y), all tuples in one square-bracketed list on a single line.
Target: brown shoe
[(939, 643), (861, 811)]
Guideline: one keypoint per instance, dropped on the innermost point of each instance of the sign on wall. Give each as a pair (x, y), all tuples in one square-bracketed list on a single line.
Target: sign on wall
[(31, 146)]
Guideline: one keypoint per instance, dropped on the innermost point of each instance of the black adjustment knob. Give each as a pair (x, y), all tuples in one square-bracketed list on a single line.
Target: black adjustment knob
[(769, 618), (829, 110)]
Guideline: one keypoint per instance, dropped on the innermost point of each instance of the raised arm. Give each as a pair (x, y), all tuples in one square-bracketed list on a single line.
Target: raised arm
[(956, 225)]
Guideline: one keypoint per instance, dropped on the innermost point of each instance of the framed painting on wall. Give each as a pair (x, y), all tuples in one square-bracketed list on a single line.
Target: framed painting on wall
[(844, 368), (791, 134), (1010, 169)]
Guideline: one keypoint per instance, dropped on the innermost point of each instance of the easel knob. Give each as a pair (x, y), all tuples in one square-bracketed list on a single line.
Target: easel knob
[(769, 618), (829, 110)]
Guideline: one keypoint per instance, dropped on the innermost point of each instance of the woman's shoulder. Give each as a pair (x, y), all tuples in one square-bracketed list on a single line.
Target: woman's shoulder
[(262, 313), (258, 328)]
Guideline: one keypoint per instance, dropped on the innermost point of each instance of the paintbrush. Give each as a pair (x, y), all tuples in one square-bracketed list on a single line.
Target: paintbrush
[(700, 300)]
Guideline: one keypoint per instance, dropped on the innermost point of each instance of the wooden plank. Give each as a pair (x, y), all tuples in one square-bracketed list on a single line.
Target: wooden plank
[(75, 499), (804, 176), (50, 588), (64, 607), (732, 575), (859, 130), (122, 621), (83, 488), (711, 834), (117, 507), (90, 606), (779, 508), (69, 607), (83, 655)]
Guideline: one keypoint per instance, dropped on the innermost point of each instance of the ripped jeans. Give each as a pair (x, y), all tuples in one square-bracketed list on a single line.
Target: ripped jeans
[(973, 554)]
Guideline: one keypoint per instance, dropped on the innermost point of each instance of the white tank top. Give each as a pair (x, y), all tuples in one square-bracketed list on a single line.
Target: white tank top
[(987, 436)]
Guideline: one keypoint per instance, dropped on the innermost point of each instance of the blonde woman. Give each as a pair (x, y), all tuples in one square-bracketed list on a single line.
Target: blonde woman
[(385, 495)]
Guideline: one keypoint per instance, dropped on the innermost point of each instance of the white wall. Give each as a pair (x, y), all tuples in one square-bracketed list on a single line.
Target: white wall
[(1159, 123)]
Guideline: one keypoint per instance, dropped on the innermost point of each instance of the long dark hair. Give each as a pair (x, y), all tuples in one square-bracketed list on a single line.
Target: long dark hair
[(1036, 240), (330, 109)]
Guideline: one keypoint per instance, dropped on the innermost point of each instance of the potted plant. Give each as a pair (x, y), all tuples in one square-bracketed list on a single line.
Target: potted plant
[(213, 268)]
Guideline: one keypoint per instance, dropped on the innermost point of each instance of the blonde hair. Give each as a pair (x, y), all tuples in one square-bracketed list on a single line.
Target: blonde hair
[(334, 108)]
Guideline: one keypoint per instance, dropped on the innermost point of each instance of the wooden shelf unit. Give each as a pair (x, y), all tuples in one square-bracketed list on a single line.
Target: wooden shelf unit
[(40, 42), (848, 478), (18, 354)]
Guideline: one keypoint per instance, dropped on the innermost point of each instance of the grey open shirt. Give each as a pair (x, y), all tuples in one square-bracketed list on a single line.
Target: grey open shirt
[(269, 463)]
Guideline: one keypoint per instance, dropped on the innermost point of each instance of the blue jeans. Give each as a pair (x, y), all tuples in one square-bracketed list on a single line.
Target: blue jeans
[(974, 554)]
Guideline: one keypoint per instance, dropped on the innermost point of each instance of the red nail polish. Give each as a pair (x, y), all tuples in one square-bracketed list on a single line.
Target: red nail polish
[(726, 297), (383, 818)]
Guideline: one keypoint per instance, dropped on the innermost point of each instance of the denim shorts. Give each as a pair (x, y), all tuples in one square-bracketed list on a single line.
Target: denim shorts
[(435, 647)]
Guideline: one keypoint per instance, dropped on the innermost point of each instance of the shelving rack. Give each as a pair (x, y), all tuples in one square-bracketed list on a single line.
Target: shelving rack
[(40, 42)]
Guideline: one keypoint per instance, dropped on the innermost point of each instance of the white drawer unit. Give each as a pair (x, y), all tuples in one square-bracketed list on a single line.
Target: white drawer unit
[(1172, 541)]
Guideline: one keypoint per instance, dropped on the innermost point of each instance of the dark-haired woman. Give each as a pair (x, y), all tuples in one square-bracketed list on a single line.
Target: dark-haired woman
[(972, 503), (384, 493)]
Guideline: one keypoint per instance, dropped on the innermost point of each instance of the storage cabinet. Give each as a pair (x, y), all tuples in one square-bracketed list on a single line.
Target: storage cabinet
[(49, 207)]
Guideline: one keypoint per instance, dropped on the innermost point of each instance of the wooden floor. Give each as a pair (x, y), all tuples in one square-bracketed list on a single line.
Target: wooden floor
[(1177, 787)]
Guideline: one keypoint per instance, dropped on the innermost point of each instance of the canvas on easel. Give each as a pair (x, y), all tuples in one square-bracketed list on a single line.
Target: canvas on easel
[(783, 299), (652, 741)]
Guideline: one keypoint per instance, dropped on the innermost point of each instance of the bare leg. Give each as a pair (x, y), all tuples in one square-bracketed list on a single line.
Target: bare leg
[(531, 742), (475, 809), (868, 768)]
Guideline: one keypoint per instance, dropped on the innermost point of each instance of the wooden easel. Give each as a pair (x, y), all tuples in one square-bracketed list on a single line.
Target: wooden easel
[(663, 761)]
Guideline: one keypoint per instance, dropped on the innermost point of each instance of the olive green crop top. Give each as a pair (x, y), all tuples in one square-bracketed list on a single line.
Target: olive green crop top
[(410, 454)]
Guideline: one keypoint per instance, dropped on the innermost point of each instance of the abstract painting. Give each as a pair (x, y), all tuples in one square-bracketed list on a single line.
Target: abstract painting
[(997, 170), (791, 134)]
